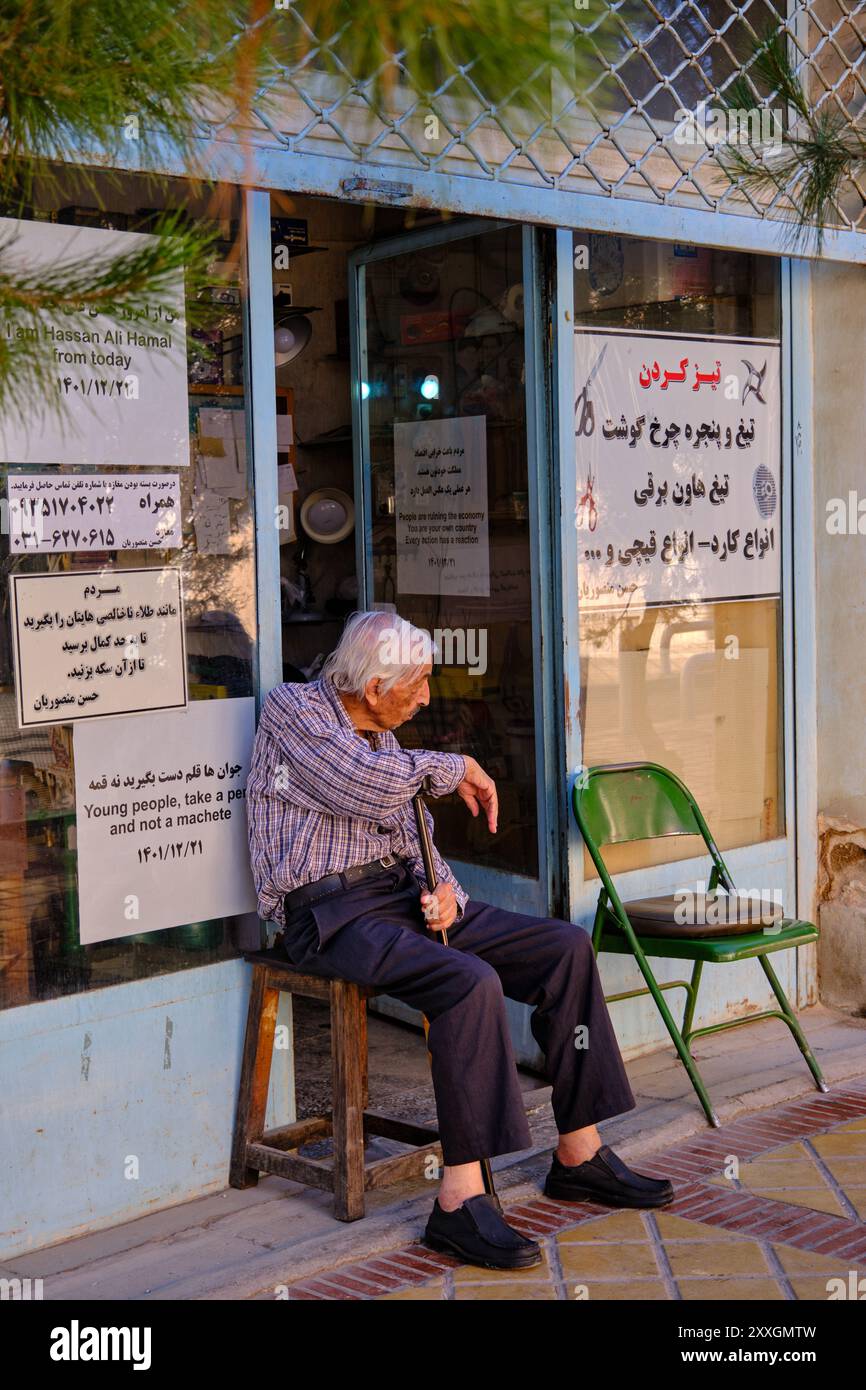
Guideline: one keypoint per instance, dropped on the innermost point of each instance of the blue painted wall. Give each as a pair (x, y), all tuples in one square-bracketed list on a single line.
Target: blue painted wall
[(147, 1069)]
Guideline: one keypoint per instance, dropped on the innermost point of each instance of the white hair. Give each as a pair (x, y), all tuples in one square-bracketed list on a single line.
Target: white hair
[(377, 644)]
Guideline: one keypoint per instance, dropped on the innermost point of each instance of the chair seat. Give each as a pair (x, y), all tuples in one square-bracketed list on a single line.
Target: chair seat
[(715, 950), (271, 956), (287, 976), (710, 915)]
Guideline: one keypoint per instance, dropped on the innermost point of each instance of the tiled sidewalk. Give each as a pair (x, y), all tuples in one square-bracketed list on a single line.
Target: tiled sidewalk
[(778, 1223)]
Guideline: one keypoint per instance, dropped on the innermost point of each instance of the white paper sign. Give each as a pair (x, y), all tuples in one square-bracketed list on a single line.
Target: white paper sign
[(440, 486), (216, 423), (678, 468), (162, 828), (121, 382), (93, 642), (212, 524), (286, 479), (221, 470), (49, 514)]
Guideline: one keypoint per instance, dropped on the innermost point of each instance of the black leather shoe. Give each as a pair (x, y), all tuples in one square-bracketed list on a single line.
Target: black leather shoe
[(478, 1232), (606, 1179)]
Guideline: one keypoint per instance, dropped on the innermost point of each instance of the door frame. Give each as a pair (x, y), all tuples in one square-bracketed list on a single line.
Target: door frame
[(543, 896)]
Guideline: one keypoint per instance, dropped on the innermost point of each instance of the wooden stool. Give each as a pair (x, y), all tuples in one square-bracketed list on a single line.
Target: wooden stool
[(348, 1175)]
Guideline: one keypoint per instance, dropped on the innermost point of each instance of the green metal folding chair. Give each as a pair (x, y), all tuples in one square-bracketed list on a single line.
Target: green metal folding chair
[(641, 801)]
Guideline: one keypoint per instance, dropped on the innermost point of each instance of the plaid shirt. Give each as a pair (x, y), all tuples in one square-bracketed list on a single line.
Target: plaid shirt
[(322, 797)]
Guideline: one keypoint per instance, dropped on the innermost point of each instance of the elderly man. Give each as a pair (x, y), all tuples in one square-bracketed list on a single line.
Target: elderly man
[(337, 863)]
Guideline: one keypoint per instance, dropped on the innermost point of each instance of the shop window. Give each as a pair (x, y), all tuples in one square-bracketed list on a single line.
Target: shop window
[(54, 939), (679, 524)]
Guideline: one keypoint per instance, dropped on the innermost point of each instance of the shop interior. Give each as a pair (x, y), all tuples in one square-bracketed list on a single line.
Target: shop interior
[(312, 240), (443, 339)]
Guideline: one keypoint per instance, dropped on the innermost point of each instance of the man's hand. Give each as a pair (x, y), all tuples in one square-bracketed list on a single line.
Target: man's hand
[(479, 792), (440, 907)]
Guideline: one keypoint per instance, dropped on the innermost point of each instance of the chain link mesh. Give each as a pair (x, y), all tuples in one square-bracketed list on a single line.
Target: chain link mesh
[(621, 135)]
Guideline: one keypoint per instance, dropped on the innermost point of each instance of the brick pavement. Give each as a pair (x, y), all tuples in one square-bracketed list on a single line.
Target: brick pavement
[(777, 1223)]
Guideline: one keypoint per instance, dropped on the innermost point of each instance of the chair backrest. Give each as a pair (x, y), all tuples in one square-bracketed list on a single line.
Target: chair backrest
[(634, 801)]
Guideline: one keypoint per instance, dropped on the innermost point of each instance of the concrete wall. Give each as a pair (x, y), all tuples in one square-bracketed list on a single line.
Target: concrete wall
[(839, 330), (839, 327), (145, 1071)]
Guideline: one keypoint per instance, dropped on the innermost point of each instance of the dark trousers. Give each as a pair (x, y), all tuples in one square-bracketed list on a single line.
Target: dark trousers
[(374, 933)]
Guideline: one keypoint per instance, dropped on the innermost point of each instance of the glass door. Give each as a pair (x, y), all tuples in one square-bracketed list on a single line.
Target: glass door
[(446, 369)]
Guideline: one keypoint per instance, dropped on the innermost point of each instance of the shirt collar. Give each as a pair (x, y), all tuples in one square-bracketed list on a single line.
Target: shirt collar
[(331, 694)]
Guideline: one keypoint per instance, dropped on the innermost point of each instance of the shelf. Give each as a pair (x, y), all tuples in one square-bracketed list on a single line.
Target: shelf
[(284, 310), (201, 388), (341, 435), (309, 620)]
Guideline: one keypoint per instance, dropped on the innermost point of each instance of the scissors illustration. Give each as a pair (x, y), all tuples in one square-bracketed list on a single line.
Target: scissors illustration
[(586, 423), (588, 501)]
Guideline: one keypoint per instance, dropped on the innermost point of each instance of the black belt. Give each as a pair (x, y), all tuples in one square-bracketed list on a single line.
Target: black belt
[(336, 883)]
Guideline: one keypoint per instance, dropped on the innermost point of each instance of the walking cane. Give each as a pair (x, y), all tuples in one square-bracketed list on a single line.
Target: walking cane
[(430, 875)]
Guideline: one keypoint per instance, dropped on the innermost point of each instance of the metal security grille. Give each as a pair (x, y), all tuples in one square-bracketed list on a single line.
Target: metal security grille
[(618, 137)]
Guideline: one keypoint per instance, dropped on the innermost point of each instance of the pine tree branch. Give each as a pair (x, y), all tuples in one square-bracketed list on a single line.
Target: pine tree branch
[(78, 288), (822, 151)]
